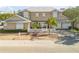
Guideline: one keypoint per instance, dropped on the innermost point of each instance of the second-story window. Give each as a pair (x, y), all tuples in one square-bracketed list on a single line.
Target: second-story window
[(44, 14), (54, 14), (37, 14)]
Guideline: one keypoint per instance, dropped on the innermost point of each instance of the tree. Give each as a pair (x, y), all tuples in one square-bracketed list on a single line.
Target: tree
[(72, 14), (76, 19), (5, 16), (51, 22)]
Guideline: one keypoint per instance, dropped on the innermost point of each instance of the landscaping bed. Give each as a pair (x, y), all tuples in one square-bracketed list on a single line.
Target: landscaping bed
[(74, 30)]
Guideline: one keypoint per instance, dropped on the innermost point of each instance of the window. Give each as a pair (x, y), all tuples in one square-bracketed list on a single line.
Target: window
[(43, 14), (37, 14), (54, 14), (26, 14)]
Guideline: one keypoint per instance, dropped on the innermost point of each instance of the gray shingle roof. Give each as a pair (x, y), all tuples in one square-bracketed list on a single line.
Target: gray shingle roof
[(16, 18), (40, 9)]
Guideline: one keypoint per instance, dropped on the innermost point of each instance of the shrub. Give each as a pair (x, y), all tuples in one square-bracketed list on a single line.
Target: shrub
[(12, 31)]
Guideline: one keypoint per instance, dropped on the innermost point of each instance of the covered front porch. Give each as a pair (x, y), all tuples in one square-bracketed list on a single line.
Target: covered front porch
[(43, 27)]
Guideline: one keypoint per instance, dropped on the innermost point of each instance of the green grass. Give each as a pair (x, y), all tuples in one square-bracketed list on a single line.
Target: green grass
[(12, 31)]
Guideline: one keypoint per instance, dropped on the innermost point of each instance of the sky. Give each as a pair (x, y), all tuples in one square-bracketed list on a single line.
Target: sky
[(16, 8), (6, 5), (39, 2)]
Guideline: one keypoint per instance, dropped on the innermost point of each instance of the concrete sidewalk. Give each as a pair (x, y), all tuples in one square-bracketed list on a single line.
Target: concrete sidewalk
[(41, 46), (26, 43)]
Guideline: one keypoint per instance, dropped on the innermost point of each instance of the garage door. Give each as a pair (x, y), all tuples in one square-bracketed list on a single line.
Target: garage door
[(19, 25), (66, 25)]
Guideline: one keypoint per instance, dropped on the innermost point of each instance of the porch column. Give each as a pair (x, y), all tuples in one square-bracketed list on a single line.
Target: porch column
[(46, 27), (28, 29)]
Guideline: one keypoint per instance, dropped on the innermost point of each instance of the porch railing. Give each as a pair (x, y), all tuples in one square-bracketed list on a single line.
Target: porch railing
[(42, 30)]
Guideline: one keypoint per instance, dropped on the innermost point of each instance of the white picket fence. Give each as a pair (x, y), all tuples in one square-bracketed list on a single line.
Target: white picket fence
[(38, 30), (42, 30)]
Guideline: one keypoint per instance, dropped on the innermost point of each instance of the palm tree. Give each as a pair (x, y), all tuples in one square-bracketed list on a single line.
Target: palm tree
[(51, 22)]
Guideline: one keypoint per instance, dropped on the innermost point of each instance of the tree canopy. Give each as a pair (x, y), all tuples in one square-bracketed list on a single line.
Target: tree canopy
[(5, 16), (52, 21), (71, 13)]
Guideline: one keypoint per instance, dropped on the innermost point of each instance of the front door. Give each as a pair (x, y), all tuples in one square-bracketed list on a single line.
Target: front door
[(19, 25)]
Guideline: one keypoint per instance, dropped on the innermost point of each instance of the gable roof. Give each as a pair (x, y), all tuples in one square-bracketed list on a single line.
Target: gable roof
[(17, 18), (40, 9)]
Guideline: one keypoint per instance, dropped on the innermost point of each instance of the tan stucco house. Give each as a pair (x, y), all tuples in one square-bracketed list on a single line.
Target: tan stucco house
[(17, 22), (41, 15)]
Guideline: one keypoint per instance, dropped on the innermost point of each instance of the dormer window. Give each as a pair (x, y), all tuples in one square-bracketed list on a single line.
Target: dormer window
[(43, 14), (37, 14)]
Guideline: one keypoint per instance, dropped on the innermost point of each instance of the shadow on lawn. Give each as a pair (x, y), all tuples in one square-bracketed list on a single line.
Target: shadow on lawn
[(68, 40)]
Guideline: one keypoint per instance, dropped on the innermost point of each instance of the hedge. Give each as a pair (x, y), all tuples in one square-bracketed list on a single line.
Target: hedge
[(12, 31)]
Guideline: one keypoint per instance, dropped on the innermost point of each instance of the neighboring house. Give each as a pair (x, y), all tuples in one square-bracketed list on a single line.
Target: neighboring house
[(17, 22), (76, 25), (1, 24), (63, 21)]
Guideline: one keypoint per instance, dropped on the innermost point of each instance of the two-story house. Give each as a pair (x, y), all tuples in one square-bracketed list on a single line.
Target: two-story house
[(39, 14)]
